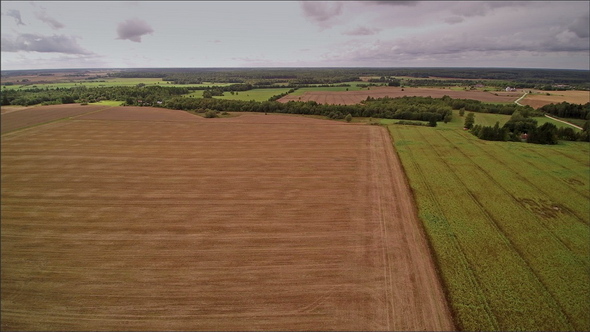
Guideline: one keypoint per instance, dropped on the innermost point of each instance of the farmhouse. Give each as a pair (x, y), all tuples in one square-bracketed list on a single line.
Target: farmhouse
[(509, 89)]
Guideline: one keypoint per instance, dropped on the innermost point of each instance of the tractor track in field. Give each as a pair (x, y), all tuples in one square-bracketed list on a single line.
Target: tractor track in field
[(502, 232)]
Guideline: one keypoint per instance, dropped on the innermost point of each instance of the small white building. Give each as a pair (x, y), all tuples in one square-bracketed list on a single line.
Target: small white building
[(509, 89)]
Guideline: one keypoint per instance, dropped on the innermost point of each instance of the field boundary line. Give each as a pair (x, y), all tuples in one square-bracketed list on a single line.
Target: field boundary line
[(472, 277), (19, 130), (382, 227), (394, 163), (91, 112)]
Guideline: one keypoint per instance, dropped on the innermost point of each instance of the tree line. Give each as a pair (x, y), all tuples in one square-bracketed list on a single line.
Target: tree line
[(130, 95), (528, 78), (523, 128), (567, 110)]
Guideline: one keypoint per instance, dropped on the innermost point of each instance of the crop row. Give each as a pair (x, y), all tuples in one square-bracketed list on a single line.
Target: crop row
[(561, 271), (532, 271)]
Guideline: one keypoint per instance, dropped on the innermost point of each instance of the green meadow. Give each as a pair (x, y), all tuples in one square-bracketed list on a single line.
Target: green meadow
[(353, 87), (255, 94)]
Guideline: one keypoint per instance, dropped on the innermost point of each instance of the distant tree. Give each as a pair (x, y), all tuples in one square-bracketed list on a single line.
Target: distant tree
[(394, 82), (348, 117), (567, 133), (545, 134), (469, 120), (210, 114), (462, 112), (67, 100), (447, 118), (207, 94), (432, 121), (520, 123)]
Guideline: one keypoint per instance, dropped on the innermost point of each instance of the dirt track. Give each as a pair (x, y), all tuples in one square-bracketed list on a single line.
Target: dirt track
[(248, 223)]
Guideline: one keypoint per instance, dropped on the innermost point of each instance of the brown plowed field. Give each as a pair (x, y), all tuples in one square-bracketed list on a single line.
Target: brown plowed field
[(540, 98), (248, 223), (129, 113), (355, 97), (23, 118)]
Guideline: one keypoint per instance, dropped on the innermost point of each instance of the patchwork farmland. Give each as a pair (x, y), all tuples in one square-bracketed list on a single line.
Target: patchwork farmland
[(541, 98), (355, 97), (135, 219)]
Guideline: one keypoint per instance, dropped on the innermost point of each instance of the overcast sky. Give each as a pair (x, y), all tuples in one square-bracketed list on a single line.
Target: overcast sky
[(115, 34)]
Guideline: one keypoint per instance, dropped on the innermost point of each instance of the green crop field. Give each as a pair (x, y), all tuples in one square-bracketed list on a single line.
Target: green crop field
[(108, 103), (508, 222), (353, 87), (542, 120), (255, 94)]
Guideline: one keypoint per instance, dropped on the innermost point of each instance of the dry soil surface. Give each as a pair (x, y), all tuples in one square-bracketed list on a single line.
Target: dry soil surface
[(540, 98), (248, 223)]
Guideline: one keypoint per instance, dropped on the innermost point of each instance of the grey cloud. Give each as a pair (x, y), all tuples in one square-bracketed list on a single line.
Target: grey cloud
[(458, 46), (362, 31), (482, 8), (133, 29), (581, 27), (321, 12), (45, 44), (62, 61), (53, 23), (394, 3), (454, 20), (16, 15)]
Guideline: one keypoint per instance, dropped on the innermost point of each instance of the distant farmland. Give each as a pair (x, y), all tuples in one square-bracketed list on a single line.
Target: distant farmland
[(540, 98), (150, 219), (355, 97), (255, 94)]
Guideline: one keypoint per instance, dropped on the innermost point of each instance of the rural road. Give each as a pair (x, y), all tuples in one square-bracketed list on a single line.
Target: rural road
[(571, 124), (519, 99), (550, 117)]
